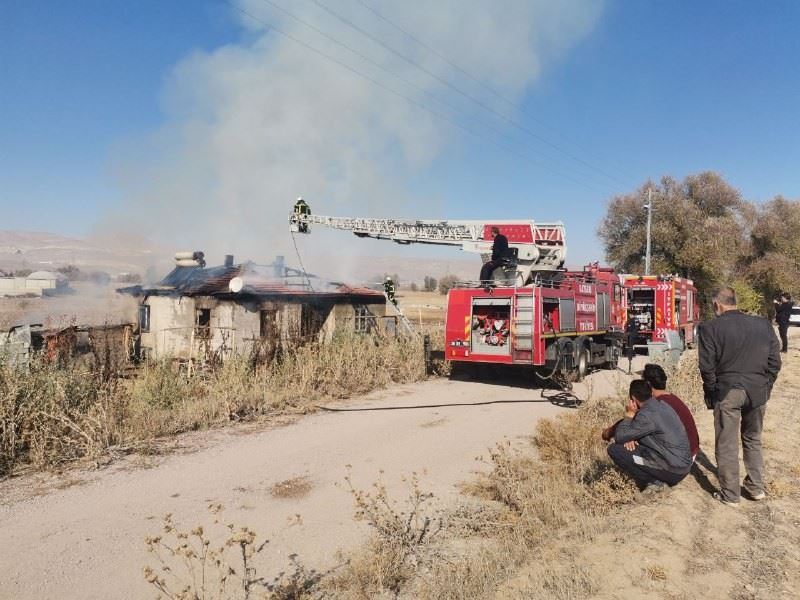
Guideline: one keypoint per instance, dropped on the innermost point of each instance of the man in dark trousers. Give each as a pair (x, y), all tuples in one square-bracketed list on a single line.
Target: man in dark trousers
[(783, 310), (650, 443), (499, 252), (739, 362), (631, 336)]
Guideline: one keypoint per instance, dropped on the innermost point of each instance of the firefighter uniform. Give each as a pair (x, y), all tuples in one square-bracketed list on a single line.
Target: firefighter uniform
[(302, 209), (389, 289)]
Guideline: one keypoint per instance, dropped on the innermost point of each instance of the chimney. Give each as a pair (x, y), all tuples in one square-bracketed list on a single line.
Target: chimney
[(229, 260)]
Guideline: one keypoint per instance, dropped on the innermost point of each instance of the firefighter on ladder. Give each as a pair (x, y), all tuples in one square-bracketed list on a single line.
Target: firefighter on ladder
[(389, 290), (302, 210)]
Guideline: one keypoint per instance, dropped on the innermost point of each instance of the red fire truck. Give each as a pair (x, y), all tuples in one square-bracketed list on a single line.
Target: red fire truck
[(534, 312), (660, 304), (563, 324)]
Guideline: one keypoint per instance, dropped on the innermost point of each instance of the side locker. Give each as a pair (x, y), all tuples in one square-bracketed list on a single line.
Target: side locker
[(523, 328)]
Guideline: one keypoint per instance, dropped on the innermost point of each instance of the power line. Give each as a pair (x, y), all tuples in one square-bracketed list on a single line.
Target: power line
[(458, 90), (273, 28), (470, 76), (405, 80)]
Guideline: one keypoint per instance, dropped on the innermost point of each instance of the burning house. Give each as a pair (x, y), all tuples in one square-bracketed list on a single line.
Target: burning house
[(199, 312)]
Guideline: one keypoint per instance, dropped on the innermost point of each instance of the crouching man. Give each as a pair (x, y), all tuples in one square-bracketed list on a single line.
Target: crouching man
[(650, 443)]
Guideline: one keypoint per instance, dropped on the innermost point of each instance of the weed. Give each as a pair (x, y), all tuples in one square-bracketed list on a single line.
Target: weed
[(217, 563), (655, 573), (52, 413), (401, 543)]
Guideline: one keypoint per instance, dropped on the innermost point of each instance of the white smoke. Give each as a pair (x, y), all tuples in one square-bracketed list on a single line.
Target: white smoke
[(251, 126)]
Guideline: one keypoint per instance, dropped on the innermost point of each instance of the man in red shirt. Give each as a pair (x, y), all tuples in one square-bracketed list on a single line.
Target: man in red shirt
[(657, 378)]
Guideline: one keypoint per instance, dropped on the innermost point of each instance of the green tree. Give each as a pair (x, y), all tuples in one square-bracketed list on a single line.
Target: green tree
[(429, 284), (700, 229), (447, 282), (774, 263), (71, 272)]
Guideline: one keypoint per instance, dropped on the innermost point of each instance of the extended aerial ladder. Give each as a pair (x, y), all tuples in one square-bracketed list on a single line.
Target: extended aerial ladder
[(534, 247)]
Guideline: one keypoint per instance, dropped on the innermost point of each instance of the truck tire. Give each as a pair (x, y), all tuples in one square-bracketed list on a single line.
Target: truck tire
[(581, 368), (582, 364)]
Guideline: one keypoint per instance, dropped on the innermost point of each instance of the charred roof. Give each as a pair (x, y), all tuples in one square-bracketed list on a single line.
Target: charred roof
[(251, 280)]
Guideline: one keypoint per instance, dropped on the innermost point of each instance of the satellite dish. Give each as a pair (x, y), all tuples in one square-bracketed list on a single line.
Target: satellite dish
[(236, 284)]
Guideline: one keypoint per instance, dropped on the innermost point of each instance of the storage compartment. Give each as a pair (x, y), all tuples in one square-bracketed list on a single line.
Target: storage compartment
[(491, 326), (641, 308)]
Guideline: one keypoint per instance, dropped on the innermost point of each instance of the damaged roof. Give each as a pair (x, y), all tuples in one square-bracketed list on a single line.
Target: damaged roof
[(249, 280)]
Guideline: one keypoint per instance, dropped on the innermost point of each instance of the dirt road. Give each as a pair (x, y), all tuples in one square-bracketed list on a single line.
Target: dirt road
[(287, 483)]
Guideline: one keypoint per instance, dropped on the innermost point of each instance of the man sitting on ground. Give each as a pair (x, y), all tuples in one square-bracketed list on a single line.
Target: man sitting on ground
[(657, 378), (650, 443)]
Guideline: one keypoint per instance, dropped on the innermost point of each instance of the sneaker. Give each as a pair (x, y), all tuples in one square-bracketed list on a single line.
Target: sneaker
[(720, 498), (758, 496), (655, 488)]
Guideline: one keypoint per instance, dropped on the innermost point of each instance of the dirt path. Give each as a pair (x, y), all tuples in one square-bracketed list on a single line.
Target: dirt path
[(286, 483)]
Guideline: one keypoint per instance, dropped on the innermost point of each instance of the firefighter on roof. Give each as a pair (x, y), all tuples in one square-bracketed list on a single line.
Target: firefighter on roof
[(389, 290), (301, 210)]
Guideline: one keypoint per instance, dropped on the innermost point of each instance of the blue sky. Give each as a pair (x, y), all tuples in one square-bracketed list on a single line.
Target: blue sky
[(652, 88)]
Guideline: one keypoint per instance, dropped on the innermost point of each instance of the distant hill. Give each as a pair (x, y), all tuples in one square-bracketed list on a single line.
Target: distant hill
[(44, 250)]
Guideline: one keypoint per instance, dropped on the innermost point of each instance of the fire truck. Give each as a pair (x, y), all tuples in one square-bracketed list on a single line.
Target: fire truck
[(661, 304), (533, 312)]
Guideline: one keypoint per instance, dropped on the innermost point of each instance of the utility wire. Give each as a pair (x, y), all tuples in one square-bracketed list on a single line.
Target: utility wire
[(461, 92), (410, 100), (405, 80), (470, 76)]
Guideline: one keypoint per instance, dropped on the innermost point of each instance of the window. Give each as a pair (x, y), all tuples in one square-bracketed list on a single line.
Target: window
[(144, 318), (268, 323), (203, 321), (362, 318)]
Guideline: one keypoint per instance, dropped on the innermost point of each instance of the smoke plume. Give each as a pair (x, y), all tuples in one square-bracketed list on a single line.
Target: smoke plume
[(250, 126)]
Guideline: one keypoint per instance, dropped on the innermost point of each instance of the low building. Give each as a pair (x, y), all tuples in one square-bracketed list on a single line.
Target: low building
[(38, 283), (199, 312)]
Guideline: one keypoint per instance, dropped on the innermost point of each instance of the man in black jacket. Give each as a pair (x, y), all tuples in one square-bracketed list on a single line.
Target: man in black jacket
[(783, 311), (499, 252), (739, 362)]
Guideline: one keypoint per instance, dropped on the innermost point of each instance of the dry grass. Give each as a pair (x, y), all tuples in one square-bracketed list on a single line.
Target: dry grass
[(402, 546), (297, 487), (218, 562), (51, 413)]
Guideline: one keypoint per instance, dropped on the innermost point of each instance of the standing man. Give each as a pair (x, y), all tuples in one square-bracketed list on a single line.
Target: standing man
[(783, 311), (499, 252), (389, 290), (301, 211), (631, 336), (739, 362)]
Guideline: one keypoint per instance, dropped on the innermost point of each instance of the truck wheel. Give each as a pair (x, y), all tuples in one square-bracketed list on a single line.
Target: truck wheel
[(581, 368), (613, 364)]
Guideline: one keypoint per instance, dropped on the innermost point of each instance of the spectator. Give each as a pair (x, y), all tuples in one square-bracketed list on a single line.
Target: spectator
[(739, 363), (657, 378), (650, 443), (783, 310)]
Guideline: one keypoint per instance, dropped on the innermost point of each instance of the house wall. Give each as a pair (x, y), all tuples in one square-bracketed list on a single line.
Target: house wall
[(18, 286), (171, 324), (235, 325)]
